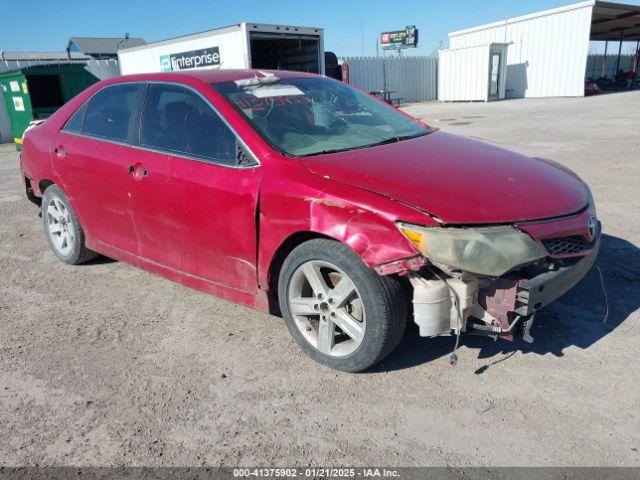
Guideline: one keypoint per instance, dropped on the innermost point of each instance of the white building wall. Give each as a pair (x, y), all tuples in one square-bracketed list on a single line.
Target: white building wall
[(463, 74), (548, 52)]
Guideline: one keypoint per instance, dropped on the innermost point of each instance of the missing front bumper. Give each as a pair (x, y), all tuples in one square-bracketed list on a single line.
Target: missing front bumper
[(533, 294), (443, 304)]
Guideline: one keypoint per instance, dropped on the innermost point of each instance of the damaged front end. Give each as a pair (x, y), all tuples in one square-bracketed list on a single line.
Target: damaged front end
[(448, 299)]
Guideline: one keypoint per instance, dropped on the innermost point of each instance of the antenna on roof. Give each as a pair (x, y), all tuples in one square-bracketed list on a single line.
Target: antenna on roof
[(125, 40)]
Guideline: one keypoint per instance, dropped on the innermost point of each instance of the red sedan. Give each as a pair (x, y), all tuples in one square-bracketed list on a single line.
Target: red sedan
[(304, 197)]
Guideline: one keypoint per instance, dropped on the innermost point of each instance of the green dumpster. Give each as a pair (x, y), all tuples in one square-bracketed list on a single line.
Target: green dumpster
[(34, 93)]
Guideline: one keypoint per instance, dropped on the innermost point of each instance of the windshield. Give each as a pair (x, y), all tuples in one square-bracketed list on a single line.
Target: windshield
[(311, 116)]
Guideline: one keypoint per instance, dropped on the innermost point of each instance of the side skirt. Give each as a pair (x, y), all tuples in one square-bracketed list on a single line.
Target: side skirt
[(259, 301)]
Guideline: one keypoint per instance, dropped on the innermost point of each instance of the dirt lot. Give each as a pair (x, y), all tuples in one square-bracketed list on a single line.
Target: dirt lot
[(104, 364)]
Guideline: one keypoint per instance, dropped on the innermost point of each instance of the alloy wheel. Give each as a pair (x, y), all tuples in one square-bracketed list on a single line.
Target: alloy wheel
[(60, 226), (327, 308)]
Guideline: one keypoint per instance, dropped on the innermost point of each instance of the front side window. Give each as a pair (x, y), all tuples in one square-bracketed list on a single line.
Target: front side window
[(111, 111), (178, 120), (311, 116)]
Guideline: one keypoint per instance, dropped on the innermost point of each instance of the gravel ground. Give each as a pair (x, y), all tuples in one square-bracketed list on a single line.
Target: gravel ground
[(104, 364)]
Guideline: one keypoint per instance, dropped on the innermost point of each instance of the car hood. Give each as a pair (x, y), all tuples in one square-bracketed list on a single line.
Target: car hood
[(458, 180)]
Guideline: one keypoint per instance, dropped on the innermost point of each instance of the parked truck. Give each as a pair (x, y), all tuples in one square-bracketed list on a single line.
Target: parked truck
[(245, 45)]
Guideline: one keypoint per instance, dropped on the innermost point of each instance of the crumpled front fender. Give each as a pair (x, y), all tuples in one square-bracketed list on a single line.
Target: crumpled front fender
[(364, 221)]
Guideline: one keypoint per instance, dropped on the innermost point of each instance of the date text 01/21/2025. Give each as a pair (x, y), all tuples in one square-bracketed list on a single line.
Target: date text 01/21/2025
[(316, 472)]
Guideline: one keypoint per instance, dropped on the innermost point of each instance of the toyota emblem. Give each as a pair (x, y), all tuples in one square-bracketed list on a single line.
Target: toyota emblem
[(592, 226)]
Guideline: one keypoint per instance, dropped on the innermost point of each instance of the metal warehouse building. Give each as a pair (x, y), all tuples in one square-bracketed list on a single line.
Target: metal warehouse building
[(547, 53)]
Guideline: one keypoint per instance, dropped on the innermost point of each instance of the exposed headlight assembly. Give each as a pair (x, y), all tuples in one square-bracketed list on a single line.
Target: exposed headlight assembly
[(490, 251)]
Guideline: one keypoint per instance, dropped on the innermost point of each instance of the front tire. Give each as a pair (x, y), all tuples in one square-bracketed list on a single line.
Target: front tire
[(339, 311), (62, 228)]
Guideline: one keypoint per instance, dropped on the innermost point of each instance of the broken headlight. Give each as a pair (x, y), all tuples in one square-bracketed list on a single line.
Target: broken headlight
[(490, 251)]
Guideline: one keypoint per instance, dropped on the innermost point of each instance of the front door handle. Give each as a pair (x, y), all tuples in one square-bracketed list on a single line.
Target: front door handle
[(60, 152), (138, 171)]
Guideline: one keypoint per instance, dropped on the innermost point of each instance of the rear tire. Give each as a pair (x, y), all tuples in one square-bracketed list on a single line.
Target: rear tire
[(62, 228), (339, 311)]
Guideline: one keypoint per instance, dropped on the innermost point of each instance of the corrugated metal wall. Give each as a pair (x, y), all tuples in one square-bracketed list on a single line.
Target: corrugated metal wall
[(99, 68), (594, 65), (413, 78), (548, 54), (5, 123)]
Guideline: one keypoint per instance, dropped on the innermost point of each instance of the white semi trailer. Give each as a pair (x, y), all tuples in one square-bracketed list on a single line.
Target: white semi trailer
[(245, 45)]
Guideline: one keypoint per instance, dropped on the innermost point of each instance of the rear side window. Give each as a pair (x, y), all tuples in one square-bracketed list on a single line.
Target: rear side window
[(111, 111), (76, 122), (178, 120)]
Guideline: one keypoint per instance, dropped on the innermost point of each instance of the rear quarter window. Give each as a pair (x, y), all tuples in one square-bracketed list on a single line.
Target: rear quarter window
[(76, 122)]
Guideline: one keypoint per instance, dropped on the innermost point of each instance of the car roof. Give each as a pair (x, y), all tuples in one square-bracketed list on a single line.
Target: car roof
[(210, 76)]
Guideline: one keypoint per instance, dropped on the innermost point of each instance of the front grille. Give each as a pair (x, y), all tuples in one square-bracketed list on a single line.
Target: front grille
[(566, 245)]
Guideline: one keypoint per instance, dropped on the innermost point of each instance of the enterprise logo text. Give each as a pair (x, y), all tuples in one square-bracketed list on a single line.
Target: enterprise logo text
[(193, 59)]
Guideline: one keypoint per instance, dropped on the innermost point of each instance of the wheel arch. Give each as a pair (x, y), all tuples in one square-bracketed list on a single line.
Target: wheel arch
[(282, 252), (373, 238), (45, 183)]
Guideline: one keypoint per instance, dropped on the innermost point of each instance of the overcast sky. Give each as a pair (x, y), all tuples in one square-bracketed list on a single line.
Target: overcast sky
[(351, 26)]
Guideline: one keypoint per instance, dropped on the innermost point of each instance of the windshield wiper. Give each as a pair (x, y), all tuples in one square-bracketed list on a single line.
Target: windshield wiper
[(381, 142), (396, 139), (323, 152)]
